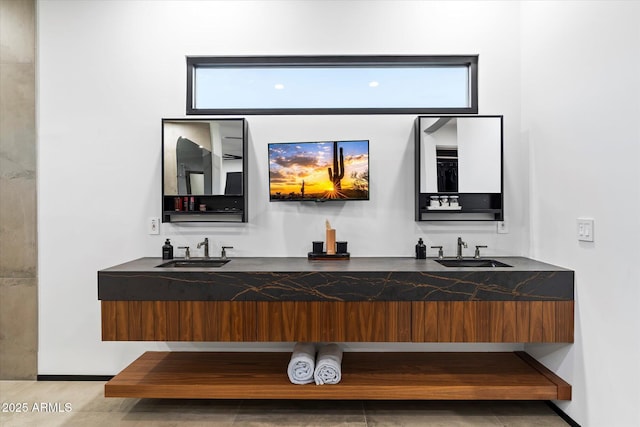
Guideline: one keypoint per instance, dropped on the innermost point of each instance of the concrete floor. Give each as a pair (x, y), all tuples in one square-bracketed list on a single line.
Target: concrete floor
[(81, 403)]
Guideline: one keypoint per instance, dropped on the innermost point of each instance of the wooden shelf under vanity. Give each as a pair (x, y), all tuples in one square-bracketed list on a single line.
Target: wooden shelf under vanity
[(382, 376)]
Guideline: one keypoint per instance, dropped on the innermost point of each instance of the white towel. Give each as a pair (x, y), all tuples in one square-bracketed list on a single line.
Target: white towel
[(302, 363), (328, 365)]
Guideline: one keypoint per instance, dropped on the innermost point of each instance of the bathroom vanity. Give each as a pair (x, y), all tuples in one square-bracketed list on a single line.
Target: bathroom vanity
[(360, 300)]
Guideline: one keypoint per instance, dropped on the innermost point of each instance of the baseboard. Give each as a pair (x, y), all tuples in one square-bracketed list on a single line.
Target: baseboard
[(562, 414), (74, 377)]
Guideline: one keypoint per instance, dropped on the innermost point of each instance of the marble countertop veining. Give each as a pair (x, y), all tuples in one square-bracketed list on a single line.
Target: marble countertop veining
[(357, 279)]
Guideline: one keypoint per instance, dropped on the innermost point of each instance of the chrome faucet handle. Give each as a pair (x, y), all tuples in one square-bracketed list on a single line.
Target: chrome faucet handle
[(440, 251), (477, 255), (223, 255), (187, 255)]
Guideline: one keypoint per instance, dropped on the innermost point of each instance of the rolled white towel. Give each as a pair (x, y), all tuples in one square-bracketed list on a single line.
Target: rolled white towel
[(302, 363), (328, 365)]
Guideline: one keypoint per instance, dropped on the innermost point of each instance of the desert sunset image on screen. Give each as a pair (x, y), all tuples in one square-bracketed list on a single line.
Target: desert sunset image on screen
[(328, 170)]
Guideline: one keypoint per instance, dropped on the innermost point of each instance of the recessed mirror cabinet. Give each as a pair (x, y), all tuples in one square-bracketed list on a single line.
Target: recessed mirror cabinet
[(204, 165), (459, 168)]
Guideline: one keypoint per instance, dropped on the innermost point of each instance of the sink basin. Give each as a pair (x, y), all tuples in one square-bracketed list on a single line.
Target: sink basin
[(194, 263), (471, 263)]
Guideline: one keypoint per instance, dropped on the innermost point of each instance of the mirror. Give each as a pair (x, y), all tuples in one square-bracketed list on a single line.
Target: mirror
[(203, 157), (460, 154)]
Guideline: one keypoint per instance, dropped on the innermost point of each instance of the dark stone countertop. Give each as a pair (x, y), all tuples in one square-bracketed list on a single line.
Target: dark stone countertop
[(357, 279)]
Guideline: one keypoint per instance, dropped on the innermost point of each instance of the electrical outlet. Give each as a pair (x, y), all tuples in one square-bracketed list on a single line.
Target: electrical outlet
[(502, 227), (154, 225), (585, 229)]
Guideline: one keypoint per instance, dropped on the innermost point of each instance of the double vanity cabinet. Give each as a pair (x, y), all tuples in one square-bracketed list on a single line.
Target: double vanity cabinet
[(373, 300)]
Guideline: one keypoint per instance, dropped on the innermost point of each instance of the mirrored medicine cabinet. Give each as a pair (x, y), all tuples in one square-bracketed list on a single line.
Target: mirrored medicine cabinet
[(204, 165), (459, 168)]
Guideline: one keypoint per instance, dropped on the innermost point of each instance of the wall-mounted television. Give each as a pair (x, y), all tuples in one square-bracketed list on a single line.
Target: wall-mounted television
[(319, 171)]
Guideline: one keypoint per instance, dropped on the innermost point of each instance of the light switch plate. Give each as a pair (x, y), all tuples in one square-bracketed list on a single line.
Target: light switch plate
[(585, 229), (154, 225)]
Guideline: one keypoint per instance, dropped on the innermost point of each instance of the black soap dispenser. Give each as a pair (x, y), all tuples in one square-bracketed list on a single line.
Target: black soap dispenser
[(167, 250), (421, 249)]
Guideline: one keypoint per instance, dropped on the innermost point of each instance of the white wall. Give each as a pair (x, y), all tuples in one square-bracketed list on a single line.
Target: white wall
[(581, 121), (109, 71)]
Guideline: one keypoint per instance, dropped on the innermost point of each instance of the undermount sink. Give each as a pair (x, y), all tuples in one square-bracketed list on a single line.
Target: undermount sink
[(471, 263), (194, 263)]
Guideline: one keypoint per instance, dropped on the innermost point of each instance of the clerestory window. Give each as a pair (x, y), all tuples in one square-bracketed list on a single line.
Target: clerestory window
[(332, 85)]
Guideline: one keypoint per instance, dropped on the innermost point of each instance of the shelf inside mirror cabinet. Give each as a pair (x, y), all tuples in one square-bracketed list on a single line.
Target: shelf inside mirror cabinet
[(476, 207), (215, 209)]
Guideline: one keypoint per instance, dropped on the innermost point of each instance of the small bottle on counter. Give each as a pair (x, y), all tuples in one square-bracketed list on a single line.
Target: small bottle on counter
[(421, 249), (167, 250)]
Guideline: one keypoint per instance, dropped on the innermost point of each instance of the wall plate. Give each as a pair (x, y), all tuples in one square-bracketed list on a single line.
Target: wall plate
[(153, 225), (585, 229)]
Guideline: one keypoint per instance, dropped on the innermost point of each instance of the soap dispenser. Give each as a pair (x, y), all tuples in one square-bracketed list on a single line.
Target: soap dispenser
[(167, 250), (421, 249)]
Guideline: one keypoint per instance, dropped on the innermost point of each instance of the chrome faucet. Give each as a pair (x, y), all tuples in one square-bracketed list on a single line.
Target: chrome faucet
[(223, 255), (461, 244), (206, 246)]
